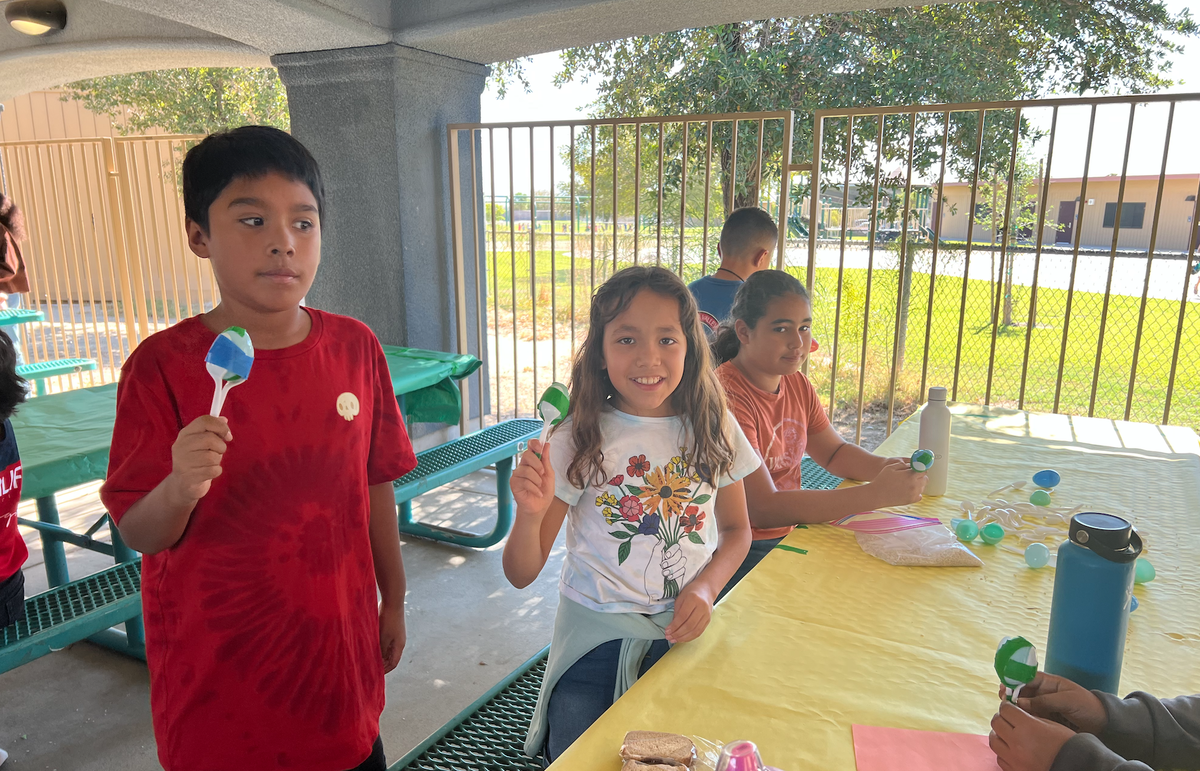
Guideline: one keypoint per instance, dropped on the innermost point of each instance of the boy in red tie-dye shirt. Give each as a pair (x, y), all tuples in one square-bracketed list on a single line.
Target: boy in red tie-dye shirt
[(267, 530)]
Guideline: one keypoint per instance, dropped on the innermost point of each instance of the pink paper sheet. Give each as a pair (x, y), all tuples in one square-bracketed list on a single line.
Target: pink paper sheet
[(900, 749)]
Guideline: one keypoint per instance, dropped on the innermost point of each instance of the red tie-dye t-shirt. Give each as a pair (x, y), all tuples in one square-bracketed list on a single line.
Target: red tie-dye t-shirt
[(262, 633)]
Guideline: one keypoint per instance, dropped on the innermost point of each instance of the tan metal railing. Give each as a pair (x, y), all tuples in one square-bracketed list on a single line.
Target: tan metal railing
[(559, 206), (1041, 340), (946, 235), (1021, 259), (107, 260)]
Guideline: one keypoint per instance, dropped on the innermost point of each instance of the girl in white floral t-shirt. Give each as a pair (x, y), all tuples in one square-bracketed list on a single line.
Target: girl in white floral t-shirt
[(646, 472)]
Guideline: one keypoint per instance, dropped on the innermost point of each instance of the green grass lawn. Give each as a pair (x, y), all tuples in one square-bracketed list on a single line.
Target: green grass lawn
[(1042, 379)]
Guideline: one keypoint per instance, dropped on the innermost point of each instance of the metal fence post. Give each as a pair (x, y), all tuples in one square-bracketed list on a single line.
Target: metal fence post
[(120, 256)]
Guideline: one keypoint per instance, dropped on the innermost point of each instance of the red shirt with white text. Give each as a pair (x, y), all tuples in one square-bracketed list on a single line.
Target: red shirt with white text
[(12, 547)]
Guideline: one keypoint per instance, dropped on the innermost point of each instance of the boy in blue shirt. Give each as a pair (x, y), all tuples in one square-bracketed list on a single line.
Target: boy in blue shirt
[(748, 239)]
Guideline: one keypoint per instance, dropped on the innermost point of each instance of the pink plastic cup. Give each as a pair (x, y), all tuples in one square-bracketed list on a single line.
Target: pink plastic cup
[(740, 756)]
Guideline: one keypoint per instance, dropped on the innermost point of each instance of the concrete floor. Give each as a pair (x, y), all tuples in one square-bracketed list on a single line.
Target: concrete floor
[(88, 709)]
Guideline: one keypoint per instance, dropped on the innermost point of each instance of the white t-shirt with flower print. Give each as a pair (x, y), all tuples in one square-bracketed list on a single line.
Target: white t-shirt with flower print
[(634, 541)]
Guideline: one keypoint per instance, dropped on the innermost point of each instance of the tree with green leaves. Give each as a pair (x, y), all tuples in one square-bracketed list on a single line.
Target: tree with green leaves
[(953, 52), (1021, 214), (198, 100), (944, 53)]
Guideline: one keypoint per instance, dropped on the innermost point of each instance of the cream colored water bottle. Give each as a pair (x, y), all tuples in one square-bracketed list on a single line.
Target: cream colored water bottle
[(935, 436)]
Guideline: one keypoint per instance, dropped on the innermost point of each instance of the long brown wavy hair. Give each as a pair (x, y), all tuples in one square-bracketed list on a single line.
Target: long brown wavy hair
[(699, 399)]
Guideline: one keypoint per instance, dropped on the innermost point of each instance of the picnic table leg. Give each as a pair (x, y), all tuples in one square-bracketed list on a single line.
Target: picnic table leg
[(53, 554), (400, 400), (131, 642), (504, 517), (504, 501), (135, 630), (406, 514)]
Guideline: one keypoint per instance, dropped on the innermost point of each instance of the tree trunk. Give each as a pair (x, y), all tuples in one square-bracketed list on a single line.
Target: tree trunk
[(1008, 284), (727, 182), (1037, 243), (735, 46), (1006, 266), (996, 279), (906, 276)]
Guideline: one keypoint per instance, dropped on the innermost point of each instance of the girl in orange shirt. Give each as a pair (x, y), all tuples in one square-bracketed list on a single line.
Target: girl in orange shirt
[(761, 348)]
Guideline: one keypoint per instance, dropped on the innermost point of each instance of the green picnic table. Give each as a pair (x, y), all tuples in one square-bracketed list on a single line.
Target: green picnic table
[(424, 382), (10, 317), (65, 437)]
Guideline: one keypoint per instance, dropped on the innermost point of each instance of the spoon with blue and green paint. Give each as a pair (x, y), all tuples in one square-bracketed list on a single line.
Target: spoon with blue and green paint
[(228, 362)]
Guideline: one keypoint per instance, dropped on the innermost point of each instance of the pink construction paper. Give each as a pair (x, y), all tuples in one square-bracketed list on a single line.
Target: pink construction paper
[(901, 749)]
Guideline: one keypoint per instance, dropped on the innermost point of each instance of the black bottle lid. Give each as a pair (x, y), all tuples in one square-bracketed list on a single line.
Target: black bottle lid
[(1111, 537)]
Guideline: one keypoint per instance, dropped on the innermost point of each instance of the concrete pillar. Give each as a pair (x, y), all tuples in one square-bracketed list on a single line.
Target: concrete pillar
[(375, 119)]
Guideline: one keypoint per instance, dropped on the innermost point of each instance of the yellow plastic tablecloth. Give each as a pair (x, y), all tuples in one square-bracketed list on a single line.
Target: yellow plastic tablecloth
[(809, 644)]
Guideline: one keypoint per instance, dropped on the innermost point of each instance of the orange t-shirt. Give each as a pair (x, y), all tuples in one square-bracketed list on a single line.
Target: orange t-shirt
[(777, 426)]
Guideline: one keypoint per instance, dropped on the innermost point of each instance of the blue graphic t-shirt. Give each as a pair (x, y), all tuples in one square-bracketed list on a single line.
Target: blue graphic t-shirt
[(715, 298)]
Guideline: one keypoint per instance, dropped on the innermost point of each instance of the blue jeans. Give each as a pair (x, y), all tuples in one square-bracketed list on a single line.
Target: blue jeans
[(758, 550), (585, 691)]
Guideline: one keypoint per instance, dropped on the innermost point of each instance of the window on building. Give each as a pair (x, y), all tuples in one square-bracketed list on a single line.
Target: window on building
[(1132, 215)]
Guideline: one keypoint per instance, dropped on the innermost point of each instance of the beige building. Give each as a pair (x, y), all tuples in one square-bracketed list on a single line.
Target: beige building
[(1137, 217)]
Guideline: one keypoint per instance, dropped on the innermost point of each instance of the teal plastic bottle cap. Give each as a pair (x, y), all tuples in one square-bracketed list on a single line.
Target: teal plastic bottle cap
[(1143, 571), (966, 530), (992, 533), (1037, 555), (1040, 498), (1047, 478)]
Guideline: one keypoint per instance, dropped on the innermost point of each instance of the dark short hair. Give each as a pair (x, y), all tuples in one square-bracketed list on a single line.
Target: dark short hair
[(744, 229), (245, 152), (12, 385)]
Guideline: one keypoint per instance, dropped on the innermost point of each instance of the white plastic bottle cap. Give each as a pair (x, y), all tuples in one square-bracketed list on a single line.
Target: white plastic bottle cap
[(937, 394)]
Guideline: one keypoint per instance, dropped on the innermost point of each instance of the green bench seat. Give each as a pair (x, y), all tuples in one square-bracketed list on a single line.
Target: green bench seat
[(489, 735), (72, 612), (38, 371), (455, 459)]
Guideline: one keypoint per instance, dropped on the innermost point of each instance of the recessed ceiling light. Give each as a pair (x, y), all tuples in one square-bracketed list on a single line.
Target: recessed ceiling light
[(36, 17)]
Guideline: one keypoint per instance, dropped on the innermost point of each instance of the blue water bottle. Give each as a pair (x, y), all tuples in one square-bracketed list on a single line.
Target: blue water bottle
[(1093, 584)]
